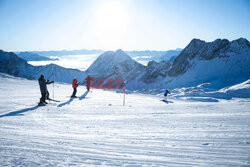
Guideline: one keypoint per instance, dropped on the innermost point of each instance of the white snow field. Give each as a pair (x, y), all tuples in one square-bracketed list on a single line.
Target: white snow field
[(97, 130)]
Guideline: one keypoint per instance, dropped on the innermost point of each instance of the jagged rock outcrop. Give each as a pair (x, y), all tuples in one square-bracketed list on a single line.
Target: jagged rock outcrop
[(156, 71), (201, 50)]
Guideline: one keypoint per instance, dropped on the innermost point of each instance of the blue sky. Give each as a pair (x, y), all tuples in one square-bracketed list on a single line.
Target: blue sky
[(114, 24)]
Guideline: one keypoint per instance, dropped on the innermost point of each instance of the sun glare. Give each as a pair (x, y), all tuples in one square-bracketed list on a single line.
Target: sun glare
[(111, 24)]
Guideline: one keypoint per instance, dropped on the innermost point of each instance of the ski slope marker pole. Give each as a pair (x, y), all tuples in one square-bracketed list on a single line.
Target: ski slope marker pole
[(124, 94), (53, 82), (53, 90)]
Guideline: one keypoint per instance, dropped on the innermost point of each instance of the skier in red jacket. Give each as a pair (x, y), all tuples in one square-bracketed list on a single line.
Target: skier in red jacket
[(88, 79), (74, 86)]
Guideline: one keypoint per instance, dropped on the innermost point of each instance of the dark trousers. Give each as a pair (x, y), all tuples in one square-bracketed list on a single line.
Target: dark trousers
[(42, 99), (74, 92), (47, 95)]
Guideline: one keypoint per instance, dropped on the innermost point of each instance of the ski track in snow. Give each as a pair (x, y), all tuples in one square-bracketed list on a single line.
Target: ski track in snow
[(98, 131)]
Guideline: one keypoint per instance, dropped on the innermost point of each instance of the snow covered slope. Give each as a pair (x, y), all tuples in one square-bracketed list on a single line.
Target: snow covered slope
[(241, 90), (238, 90), (96, 130), (10, 63)]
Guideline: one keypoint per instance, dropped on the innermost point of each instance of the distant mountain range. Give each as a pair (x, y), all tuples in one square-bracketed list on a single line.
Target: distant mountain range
[(29, 56), (221, 63), (11, 64), (146, 55), (67, 52)]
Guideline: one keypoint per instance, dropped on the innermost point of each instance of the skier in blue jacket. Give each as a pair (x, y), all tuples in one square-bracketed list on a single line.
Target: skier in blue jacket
[(166, 94)]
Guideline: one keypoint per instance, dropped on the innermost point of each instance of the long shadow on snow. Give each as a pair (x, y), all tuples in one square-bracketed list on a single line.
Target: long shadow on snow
[(18, 112), (67, 102), (72, 98), (167, 101), (202, 99), (84, 95)]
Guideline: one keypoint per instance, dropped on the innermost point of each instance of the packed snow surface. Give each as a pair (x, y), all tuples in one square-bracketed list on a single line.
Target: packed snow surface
[(96, 129)]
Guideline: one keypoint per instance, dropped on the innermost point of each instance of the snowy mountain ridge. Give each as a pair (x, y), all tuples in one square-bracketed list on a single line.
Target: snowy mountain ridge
[(29, 56), (220, 62), (11, 64), (115, 65), (207, 51)]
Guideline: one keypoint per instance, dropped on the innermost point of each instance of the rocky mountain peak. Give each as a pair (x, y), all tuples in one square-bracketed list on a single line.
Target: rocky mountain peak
[(112, 62), (198, 49)]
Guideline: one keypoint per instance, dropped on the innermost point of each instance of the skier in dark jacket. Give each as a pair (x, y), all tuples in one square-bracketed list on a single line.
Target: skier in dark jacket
[(43, 88), (166, 94)]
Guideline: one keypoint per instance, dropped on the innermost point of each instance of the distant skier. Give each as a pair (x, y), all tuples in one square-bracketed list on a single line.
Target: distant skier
[(43, 88), (88, 79), (166, 94), (74, 86)]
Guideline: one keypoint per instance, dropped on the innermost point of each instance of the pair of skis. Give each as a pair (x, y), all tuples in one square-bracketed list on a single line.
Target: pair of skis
[(42, 104), (53, 100)]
